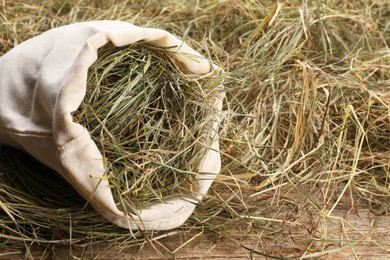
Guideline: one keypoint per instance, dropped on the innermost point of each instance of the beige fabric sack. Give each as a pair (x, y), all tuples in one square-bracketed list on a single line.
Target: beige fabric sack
[(43, 80)]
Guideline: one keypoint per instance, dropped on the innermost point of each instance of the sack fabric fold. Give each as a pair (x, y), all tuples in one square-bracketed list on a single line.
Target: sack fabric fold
[(43, 81)]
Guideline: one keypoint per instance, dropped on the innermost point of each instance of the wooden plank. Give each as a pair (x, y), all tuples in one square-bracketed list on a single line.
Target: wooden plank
[(370, 233)]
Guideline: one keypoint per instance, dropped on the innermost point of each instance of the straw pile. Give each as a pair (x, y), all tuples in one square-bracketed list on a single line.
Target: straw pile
[(306, 130), (147, 119)]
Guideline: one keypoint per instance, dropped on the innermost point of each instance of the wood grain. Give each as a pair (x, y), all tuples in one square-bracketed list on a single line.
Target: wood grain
[(369, 234)]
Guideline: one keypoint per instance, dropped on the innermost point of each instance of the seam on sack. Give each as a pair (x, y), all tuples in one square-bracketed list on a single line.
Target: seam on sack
[(14, 131)]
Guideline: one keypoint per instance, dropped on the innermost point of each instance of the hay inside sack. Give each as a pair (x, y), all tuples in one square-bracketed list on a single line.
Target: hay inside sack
[(147, 118)]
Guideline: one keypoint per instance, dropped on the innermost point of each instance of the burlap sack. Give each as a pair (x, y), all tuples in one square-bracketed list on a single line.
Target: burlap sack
[(43, 80)]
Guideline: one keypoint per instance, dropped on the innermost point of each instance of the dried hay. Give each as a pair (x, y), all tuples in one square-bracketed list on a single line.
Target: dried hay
[(149, 121), (306, 130)]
